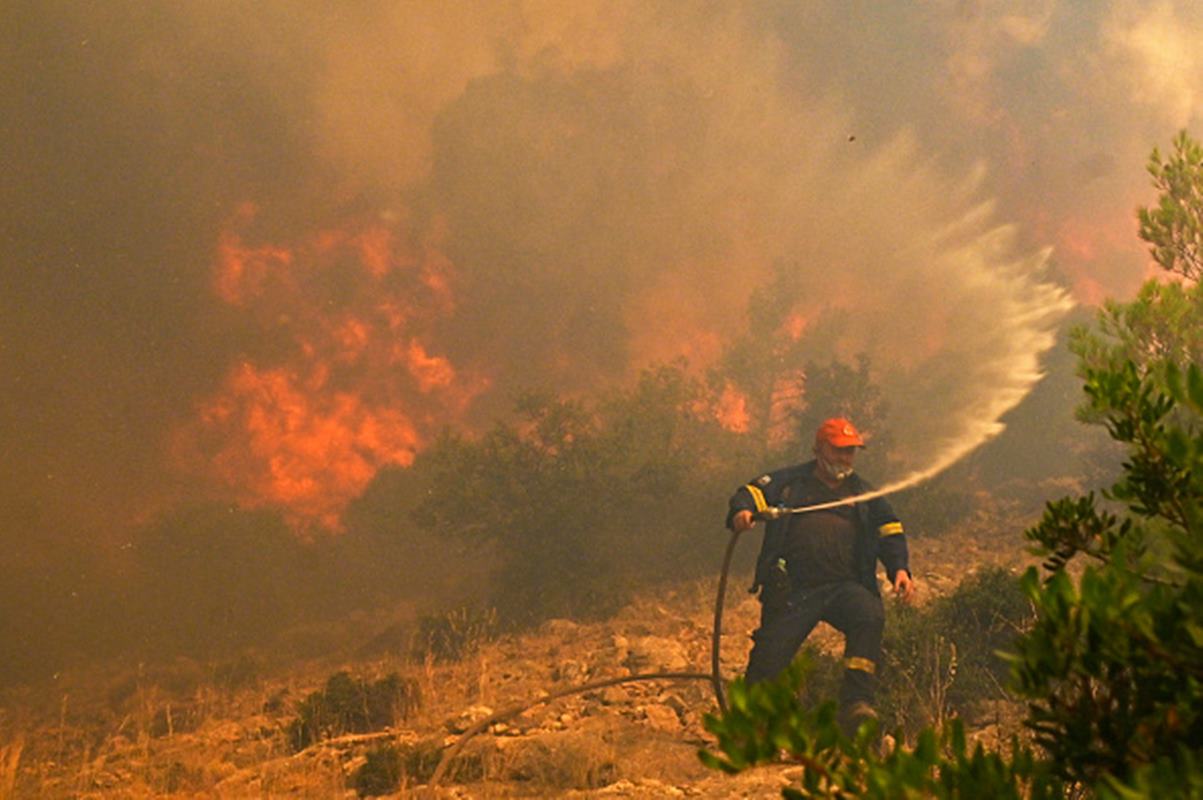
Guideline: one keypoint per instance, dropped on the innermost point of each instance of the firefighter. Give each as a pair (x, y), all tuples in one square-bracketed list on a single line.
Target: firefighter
[(822, 565)]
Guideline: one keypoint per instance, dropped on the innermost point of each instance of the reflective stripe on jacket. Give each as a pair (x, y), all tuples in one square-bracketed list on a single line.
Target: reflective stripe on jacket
[(879, 533)]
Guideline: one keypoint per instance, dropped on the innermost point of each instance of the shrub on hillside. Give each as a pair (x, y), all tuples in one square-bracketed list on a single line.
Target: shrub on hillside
[(388, 766), (352, 705), (451, 635), (585, 501), (823, 676), (944, 659), (379, 774)]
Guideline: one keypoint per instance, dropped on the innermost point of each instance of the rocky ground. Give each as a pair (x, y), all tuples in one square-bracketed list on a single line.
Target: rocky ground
[(189, 730)]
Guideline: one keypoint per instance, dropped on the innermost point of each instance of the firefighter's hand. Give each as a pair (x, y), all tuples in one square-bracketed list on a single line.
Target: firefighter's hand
[(904, 586), (742, 521)]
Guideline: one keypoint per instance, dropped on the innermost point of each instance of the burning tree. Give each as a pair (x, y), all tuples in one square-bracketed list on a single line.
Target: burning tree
[(1112, 669)]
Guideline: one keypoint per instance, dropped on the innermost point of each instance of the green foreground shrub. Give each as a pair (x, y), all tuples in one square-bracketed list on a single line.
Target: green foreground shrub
[(768, 719)]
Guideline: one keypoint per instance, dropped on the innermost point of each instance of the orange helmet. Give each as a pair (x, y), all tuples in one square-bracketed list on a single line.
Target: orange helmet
[(839, 432)]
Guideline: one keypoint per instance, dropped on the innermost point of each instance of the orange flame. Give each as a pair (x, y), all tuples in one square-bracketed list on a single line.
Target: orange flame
[(794, 326), (732, 410), (431, 372), (243, 270), (311, 452), (309, 425)]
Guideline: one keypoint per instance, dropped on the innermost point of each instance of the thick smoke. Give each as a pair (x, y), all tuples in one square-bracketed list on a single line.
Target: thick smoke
[(601, 184), (665, 190)]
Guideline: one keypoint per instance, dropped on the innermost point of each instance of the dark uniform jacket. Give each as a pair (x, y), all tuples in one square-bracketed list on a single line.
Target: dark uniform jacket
[(879, 533)]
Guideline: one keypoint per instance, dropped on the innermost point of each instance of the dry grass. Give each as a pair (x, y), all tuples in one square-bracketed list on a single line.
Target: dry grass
[(10, 760), (190, 729)]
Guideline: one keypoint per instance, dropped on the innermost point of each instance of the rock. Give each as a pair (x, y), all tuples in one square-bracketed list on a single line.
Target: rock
[(569, 671), (224, 732), (662, 718), (676, 703), (620, 786), (613, 696), (246, 777), (656, 654), (660, 788), (467, 718), (564, 629), (218, 771), (622, 648)]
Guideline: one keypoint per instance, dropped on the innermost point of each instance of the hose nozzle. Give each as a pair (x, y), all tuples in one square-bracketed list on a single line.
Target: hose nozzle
[(771, 513)]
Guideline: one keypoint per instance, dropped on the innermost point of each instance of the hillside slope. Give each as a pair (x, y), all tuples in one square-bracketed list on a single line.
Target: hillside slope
[(230, 729)]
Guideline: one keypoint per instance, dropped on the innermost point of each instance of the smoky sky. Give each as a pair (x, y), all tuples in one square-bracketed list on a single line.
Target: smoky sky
[(563, 192)]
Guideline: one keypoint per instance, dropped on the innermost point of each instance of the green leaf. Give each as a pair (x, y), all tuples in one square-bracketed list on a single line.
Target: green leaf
[(1194, 381)]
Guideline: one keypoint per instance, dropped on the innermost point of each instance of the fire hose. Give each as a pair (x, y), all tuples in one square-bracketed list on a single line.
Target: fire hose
[(716, 638), (715, 676)]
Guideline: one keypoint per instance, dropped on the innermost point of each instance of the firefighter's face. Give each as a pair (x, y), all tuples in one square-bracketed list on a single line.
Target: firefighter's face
[(836, 462)]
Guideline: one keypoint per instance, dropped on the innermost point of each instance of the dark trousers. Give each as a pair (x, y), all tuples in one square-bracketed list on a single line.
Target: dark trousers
[(788, 615)]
